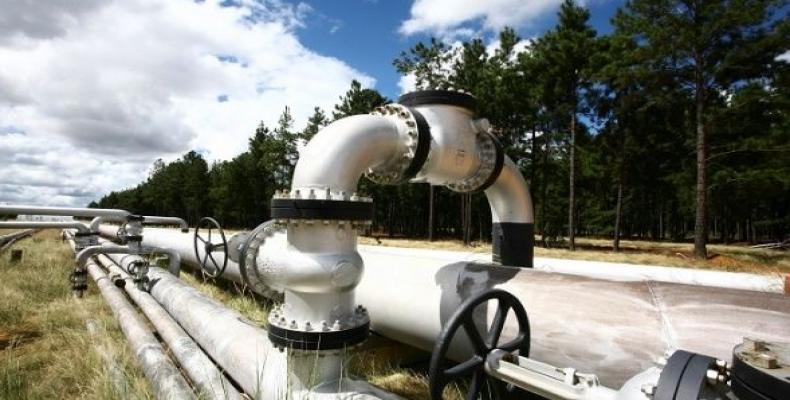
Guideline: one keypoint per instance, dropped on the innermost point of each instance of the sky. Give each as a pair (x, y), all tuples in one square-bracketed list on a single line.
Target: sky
[(92, 92)]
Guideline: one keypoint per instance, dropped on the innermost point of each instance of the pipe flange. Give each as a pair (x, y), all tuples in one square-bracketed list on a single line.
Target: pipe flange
[(413, 157), (320, 205), (450, 97), (318, 335), (492, 159), (249, 255)]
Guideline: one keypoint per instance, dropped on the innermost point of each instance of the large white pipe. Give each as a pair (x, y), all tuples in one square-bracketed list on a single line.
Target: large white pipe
[(614, 329), (210, 381), (157, 367)]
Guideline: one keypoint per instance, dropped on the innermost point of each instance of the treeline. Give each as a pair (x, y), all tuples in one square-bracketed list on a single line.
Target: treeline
[(674, 126)]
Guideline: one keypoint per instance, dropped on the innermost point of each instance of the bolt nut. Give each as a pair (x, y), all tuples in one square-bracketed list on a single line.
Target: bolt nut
[(766, 360), (649, 390), (751, 344)]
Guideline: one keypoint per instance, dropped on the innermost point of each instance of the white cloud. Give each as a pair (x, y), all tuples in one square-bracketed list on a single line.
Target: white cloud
[(446, 18), (91, 93), (407, 83), (784, 57)]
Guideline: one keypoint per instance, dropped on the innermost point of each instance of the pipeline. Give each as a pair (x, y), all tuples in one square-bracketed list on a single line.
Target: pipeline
[(160, 371), (7, 240), (244, 351), (615, 328), (203, 373), (80, 227)]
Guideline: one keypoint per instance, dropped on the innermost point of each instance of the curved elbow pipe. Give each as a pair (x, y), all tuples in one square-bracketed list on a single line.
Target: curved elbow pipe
[(512, 217), (80, 227), (341, 152)]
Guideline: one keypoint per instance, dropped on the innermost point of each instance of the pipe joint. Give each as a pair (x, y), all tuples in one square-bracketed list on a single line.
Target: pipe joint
[(412, 153)]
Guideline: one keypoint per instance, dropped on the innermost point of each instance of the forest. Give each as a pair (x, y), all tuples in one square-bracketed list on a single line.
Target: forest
[(674, 126)]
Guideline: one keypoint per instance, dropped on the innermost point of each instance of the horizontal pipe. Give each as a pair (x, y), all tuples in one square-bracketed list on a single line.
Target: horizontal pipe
[(63, 211), (7, 240), (80, 227), (243, 350), (201, 370), (174, 258), (147, 219), (612, 328), (157, 367)]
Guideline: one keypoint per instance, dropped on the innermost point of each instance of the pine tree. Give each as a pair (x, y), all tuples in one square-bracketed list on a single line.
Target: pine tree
[(697, 41), (565, 53)]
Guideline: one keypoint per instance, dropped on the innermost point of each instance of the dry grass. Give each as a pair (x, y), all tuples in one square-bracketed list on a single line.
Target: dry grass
[(735, 258), (46, 351)]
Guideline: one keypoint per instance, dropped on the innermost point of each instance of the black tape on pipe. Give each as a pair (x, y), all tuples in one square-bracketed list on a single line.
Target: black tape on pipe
[(513, 243)]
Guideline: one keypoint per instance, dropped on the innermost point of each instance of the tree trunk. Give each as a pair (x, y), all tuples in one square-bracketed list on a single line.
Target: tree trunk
[(617, 216), (701, 226), (544, 188), (430, 213), (572, 184)]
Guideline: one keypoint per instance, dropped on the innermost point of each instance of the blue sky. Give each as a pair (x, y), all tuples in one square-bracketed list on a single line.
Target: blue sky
[(365, 33)]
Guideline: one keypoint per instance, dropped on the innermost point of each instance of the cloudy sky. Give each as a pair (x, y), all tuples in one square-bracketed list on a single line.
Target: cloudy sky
[(93, 91)]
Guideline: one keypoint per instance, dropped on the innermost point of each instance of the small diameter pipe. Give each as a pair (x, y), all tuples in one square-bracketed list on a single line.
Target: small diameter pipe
[(147, 219), (236, 344), (80, 227), (174, 259), (157, 367), (201, 370), (63, 211), (7, 241), (243, 349)]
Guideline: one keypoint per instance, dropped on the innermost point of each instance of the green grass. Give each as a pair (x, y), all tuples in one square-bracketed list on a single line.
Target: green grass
[(46, 351)]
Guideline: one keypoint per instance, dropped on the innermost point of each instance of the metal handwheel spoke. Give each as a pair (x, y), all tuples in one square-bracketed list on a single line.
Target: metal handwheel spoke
[(464, 368), (476, 386), (474, 336), (497, 325)]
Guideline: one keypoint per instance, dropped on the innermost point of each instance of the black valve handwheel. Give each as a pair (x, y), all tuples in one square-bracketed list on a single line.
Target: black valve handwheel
[(205, 240), (483, 344)]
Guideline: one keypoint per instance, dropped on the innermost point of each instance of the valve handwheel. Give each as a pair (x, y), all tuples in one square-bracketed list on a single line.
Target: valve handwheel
[(483, 344), (204, 240)]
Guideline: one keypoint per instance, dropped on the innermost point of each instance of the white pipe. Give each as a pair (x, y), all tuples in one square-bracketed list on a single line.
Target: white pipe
[(44, 225), (773, 283), (174, 259), (612, 328), (509, 196), (146, 219), (63, 211), (244, 351), (160, 371), (201, 370), (337, 156)]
